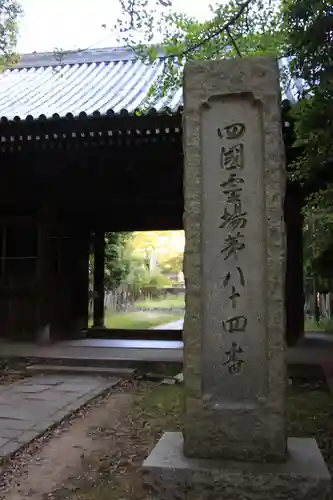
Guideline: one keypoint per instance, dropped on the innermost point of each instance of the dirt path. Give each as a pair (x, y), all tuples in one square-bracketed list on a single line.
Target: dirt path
[(98, 454), (71, 456)]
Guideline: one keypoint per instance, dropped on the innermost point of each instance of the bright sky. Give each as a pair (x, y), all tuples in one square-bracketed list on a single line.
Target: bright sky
[(73, 24)]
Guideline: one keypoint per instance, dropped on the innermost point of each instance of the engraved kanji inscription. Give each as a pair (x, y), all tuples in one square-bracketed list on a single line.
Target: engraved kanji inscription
[(232, 182), (232, 245), (232, 188), (232, 158), (234, 296), (234, 196), (235, 219), (227, 277), (233, 131), (234, 362), (235, 324)]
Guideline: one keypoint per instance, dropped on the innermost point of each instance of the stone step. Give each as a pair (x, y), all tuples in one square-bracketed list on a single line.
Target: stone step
[(126, 373), (140, 364), (118, 333)]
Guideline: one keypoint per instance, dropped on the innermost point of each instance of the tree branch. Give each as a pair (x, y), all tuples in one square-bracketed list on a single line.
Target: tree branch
[(233, 41), (217, 33), (60, 54)]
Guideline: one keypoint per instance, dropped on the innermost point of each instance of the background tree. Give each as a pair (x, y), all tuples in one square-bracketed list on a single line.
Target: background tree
[(141, 279), (129, 258), (310, 44), (10, 12), (172, 263), (162, 250), (235, 29), (116, 264)]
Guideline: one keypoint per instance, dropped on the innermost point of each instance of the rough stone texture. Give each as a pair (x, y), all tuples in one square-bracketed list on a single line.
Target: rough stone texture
[(239, 416), (29, 407), (172, 476)]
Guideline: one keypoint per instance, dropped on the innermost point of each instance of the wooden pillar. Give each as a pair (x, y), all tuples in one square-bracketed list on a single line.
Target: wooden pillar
[(4, 292), (44, 286), (99, 251), (294, 293), (81, 281), (62, 286)]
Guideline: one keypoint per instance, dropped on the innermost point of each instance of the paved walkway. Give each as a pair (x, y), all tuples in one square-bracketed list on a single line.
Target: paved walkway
[(175, 325), (30, 406), (101, 349), (315, 349)]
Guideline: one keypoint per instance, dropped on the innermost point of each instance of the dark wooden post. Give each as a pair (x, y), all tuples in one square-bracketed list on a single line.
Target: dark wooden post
[(294, 272), (81, 281), (99, 250), (43, 279)]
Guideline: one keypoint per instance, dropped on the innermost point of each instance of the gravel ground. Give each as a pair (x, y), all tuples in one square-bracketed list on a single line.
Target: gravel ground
[(97, 454)]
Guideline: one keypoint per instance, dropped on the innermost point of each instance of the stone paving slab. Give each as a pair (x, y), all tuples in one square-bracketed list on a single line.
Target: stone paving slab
[(30, 407), (33, 388), (99, 349)]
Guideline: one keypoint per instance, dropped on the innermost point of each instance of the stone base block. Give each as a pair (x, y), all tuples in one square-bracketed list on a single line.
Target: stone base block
[(169, 475)]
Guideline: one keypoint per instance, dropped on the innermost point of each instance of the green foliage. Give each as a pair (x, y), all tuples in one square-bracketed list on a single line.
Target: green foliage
[(172, 263), (116, 264), (318, 247), (10, 12), (310, 25), (122, 266), (137, 273), (310, 43), (138, 13), (236, 28), (140, 277), (156, 281)]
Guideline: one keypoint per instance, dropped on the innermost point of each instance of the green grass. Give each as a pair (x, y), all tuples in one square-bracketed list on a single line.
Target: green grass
[(170, 302), (139, 320), (309, 414), (155, 409), (162, 407), (325, 325)]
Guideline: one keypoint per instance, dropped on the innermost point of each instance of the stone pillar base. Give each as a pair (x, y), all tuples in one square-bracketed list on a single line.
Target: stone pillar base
[(43, 335), (78, 334), (98, 327), (171, 476)]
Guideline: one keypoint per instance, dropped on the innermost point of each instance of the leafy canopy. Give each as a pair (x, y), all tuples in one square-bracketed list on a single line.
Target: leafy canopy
[(117, 266), (310, 43), (251, 27), (10, 12), (310, 40)]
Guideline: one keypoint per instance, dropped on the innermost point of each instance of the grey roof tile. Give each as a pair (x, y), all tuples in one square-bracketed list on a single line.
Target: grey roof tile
[(87, 81)]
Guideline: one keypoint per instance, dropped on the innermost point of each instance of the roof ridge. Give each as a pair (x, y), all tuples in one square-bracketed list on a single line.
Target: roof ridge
[(78, 56)]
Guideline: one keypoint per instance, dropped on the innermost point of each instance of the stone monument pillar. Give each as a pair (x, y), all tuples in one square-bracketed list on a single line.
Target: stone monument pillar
[(234, 443)]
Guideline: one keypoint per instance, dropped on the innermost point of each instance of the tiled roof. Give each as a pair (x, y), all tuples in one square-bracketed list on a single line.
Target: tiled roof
[(95, 80)]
